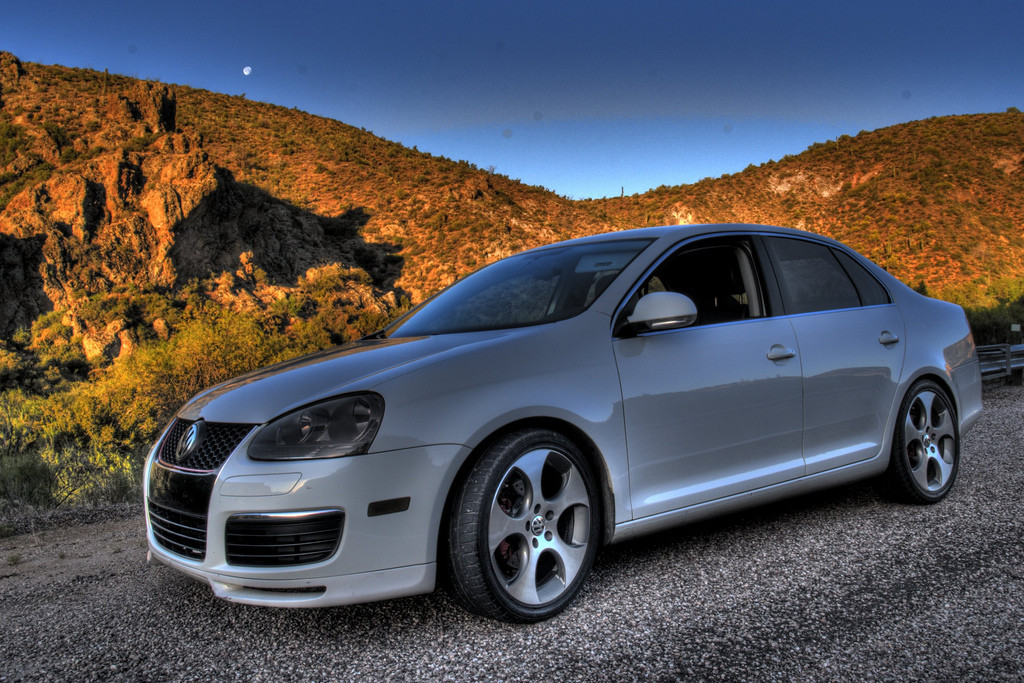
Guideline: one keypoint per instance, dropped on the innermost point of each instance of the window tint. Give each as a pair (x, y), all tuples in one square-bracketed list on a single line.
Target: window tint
[(872, 293), (720, 279), (810, 277)]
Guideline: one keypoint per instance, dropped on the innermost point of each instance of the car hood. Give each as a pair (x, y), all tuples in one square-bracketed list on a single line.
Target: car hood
[(264, 394)]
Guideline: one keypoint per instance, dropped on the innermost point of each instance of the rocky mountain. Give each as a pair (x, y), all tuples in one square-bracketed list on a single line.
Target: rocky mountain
[(111, 187), (129, 203)]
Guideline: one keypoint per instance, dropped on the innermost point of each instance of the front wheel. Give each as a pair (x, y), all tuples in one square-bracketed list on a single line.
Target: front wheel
[(524, 528), (926, 446)]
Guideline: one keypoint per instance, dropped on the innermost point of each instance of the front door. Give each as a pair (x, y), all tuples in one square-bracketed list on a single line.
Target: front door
[(708, 415), (712, 410)]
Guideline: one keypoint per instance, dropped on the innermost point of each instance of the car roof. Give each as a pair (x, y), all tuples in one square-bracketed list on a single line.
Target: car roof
[(678, 232)]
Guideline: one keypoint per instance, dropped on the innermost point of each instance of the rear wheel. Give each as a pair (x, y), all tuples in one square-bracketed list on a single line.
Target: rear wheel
[(524, 528), (926, 448)]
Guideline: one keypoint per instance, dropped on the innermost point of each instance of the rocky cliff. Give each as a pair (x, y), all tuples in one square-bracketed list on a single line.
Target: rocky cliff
[(140, 206)]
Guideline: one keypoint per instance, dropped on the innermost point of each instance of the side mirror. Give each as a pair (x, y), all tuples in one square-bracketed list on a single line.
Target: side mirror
[(663, 311)]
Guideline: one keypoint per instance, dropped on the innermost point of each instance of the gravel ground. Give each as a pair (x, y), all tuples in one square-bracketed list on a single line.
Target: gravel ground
[(841, 585)]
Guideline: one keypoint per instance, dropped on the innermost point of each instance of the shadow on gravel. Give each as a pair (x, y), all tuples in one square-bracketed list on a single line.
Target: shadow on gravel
[(852, 499)]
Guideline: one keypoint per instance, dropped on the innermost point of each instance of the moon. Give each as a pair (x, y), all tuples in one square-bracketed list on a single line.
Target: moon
[(247, 70)]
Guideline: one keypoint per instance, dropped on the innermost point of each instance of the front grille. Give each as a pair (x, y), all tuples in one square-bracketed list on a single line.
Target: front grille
[(216, 442), (180, 532), (277, 539)]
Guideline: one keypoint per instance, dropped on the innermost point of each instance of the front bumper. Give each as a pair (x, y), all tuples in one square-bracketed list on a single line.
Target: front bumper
[(326, 591), (391, 503)]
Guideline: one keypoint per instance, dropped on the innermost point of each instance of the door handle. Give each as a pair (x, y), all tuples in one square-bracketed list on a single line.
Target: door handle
[(780, 352), (888, 338)]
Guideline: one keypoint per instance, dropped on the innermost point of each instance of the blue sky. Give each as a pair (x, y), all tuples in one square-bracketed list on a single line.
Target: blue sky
[(588, 99)]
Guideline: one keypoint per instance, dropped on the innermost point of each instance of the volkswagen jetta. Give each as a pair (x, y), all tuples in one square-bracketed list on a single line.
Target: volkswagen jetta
[(564, 398)]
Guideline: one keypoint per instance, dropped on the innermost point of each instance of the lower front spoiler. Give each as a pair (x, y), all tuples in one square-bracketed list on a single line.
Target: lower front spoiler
[(349, 589)]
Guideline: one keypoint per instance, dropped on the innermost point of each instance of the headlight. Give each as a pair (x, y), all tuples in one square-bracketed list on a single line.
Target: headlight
[(341, 426)]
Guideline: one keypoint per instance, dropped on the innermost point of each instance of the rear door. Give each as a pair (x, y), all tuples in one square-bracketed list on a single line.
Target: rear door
[(851, 342)]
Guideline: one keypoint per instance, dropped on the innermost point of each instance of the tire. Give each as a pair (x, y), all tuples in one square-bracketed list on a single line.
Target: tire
[(926, 446), (523, 528)]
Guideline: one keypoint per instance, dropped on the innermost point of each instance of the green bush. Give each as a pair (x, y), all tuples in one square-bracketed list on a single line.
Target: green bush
[(56, 133), (11, 141), (26, 481), (24, 478), (992, 325), (86, 441), (39, 174)]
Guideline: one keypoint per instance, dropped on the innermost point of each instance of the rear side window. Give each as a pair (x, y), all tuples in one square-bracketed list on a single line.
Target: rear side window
[(872, 293), (810, 277)]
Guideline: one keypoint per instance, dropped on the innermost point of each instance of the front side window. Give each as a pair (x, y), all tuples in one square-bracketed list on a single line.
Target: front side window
[(531, 288), (718, 276)]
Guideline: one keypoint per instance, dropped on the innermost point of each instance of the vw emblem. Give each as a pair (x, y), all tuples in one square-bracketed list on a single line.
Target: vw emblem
[(190, 440), (537, 525)]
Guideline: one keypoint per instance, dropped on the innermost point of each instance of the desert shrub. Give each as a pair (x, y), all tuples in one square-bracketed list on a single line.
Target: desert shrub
[(140, 143), (90, 475), (992, 325), (87, 441), (208, 349), (39, 174), (56, 133), (15, 367), (310, 335), (11, 140), (24, 478), (26, 481)]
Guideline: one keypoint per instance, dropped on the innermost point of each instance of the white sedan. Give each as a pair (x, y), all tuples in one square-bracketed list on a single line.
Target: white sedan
[(564, 398)]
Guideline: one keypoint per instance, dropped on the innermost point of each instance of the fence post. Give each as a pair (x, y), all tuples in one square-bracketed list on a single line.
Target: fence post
[(1014, 376)]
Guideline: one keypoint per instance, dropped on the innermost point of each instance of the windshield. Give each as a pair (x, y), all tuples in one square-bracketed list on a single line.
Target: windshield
[(531, 288)]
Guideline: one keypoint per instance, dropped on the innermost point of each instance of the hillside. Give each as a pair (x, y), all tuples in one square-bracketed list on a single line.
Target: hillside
[(938, 202), (139, 172), (155, 239)]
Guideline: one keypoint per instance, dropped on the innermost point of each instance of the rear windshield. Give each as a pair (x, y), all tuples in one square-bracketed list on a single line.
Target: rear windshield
[(531, 288)]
